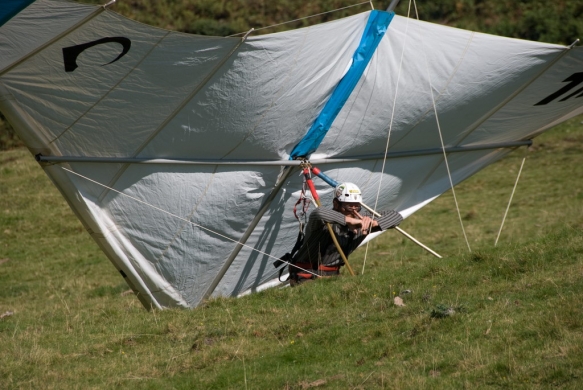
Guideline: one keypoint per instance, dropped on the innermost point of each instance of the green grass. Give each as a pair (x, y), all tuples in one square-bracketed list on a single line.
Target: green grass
[(504, 317)]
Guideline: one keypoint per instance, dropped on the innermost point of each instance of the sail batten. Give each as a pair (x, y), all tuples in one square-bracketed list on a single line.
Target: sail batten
[(88, 12)]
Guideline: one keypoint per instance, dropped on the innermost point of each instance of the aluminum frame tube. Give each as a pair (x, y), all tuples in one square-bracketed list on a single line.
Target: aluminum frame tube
[(144, 160)]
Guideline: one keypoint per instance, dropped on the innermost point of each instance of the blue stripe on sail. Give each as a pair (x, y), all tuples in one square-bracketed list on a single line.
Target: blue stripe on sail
[(12, 7), (375, 29)]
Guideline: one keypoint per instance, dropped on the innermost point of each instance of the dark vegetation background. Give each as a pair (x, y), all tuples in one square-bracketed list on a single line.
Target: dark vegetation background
[(558, 21)]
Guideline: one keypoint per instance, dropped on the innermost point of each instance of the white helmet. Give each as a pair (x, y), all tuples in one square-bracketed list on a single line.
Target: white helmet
[(348, 192)]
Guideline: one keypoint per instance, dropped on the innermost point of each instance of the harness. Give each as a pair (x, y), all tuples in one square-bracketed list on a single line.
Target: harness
[(298, 271)]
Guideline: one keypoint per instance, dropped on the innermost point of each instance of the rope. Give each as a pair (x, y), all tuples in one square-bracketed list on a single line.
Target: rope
[(442, 143), (390, 127), (184, 219), (305, 17), (510, 201)]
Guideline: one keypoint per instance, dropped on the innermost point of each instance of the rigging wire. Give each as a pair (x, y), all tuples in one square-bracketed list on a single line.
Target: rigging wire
[(305, 17), (390, 125), (442, 143), (510, 200), (183, 219)]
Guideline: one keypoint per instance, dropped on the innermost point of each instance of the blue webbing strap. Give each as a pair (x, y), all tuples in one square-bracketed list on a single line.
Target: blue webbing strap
[(331, 182), (375, 29)]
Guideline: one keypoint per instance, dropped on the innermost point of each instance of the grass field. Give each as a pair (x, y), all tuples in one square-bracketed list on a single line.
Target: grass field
[(504, 317)]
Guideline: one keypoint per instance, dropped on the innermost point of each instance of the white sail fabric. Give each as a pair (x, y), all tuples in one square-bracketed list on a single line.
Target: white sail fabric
[(171, 228)]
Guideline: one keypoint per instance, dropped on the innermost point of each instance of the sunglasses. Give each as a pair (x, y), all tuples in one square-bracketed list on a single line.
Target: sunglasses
[(351, 206)]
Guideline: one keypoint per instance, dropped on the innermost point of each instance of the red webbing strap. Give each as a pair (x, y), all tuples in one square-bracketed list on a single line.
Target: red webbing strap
[(311, 186), (328, 268), (305, 204)]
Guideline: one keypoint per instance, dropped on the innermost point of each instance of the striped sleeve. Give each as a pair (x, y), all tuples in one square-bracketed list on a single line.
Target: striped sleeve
[(327, 215), (389, 219)]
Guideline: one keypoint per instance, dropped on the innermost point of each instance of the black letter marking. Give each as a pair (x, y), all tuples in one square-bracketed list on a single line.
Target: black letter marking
[(71, 53), (575, 79)]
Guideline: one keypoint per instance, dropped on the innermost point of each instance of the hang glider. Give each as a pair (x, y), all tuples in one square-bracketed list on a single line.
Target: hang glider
[(178, 152)]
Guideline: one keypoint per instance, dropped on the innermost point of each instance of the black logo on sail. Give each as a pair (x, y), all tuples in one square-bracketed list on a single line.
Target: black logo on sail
[(573, 80), (71, 53)]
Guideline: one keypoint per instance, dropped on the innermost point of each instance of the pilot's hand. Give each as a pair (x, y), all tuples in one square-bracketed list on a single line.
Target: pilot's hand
[(366, 225)]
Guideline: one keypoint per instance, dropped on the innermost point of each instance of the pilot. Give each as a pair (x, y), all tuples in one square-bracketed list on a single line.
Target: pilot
[(351, 226)]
